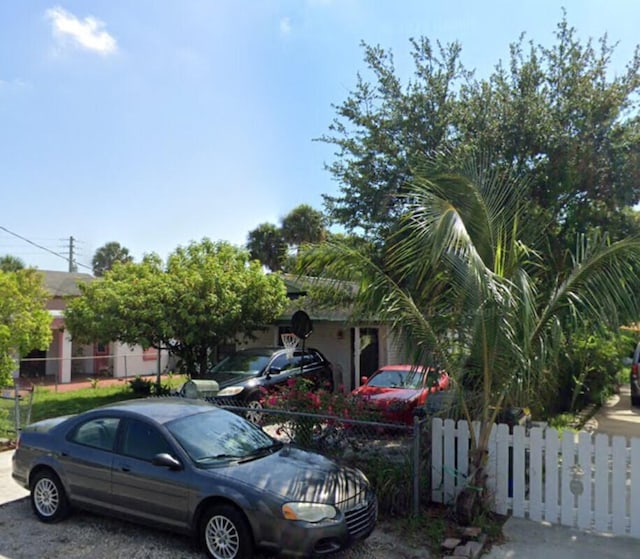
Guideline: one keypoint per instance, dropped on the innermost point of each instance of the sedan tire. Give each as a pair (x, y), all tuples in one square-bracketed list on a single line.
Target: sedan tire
[(224, 533), (48, 497), (635, 401)]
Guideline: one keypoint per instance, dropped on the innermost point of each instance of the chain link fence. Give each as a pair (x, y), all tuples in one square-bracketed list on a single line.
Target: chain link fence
[(394, 456), (15, 410)]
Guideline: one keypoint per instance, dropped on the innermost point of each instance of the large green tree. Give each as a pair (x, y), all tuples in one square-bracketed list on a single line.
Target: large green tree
[(25, 323), (558, 112), (207, 294), (462, 284), (107, 255)]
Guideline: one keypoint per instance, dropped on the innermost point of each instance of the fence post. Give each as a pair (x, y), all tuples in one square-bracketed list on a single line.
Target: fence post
[(416, 465), (16, 402)]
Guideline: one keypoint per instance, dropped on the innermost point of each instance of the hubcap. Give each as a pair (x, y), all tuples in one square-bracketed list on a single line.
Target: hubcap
[(254, 415), (222, 538), (46, 497)]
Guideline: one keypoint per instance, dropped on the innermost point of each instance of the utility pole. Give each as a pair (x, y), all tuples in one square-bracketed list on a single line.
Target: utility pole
[(73, 267)]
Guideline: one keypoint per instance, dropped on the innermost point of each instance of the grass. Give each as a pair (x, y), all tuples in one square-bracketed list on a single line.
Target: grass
[(48, 403)]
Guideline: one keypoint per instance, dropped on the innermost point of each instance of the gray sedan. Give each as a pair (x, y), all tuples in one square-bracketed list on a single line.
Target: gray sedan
[(191, 467)]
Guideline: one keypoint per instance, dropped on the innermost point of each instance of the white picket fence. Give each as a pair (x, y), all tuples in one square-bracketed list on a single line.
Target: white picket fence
[(579, 480)]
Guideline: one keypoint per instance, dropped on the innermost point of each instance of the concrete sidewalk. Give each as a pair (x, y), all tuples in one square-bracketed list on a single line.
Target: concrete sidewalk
[(9, 489), (527, 539)]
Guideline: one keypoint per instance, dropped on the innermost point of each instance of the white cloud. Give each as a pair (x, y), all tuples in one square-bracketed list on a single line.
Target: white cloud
[(285, 26), (87, 33)]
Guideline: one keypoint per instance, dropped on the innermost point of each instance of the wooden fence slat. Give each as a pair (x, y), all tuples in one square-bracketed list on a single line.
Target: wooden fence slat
[(502, 469), (517, 482), (551, 476), (535, 474), (437, 459), (568, 468), (601, 485), (618, 486), (463, 455), (449, 470), (634, 497), (585, 461)]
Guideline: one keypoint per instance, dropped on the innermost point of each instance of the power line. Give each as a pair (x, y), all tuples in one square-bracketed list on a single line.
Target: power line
[(40, 246)]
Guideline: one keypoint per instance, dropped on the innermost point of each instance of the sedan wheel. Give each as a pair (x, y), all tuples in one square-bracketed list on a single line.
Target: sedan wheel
[(225, 534), (253, 414), (48, 498)]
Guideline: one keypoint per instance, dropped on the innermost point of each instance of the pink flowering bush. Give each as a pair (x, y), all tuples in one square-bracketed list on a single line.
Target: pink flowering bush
[(301, 396)]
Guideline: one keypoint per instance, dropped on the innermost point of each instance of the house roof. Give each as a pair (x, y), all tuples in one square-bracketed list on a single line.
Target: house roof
[(62, 284), (300, 295)]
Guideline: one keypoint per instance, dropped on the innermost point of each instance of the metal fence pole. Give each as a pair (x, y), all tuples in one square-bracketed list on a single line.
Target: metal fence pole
[(17, 409)]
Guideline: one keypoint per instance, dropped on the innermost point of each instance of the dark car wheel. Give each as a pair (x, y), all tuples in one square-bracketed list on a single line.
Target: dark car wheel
[(253, 413), (48, 497), (635, 401), (225, 534)]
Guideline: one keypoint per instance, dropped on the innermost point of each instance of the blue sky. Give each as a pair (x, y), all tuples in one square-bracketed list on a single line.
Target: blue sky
[(157, 122)]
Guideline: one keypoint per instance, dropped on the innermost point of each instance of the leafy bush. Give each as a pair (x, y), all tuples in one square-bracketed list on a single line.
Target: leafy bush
[(141, 386)]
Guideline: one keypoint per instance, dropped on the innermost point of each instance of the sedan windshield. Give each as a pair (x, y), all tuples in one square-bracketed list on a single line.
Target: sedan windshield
[(248, 363), (397, 379), (219, 435)]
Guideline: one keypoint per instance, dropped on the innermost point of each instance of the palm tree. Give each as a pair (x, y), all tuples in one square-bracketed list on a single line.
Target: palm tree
[(465, 281), (106, 256), (266, 244), (10, 263)]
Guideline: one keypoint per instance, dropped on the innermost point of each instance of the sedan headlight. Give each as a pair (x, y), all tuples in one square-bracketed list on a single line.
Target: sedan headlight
[(231, 391), (309, 512)]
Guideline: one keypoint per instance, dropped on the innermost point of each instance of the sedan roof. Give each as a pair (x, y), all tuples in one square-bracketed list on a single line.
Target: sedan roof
[(163, 410)]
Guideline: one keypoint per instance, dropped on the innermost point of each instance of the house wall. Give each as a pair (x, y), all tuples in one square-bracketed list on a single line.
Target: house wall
[(130, 361)]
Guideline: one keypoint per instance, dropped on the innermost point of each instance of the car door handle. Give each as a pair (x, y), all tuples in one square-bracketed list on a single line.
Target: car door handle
[(125, 468)]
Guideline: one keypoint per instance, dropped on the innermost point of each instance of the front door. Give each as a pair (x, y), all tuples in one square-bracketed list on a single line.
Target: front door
[(369, 353), (100, 359)]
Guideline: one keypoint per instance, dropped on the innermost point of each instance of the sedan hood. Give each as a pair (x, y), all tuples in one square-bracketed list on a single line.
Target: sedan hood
[(298, 475)]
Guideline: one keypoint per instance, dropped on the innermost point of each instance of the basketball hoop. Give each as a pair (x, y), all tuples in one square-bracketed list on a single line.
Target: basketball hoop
[(290, 342)]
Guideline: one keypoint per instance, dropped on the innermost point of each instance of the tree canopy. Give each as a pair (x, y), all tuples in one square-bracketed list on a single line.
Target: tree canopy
[(272, 245), (558, 113), (107, 255), (205, 295), (25, 323)]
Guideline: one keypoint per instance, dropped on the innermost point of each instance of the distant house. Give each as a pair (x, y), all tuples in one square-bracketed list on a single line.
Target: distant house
[(355, 349), (64, 358)]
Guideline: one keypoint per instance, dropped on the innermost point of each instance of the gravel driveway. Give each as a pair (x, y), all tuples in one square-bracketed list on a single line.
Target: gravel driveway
[(85, 535)]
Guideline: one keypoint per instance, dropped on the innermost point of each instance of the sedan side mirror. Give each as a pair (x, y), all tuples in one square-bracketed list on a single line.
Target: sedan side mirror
[(167, 461)]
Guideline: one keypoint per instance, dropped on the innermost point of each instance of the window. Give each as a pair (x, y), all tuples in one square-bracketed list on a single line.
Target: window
[(143, 441), (96, 433)]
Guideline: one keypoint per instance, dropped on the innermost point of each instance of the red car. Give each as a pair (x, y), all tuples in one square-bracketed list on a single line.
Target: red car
[(397, 390)]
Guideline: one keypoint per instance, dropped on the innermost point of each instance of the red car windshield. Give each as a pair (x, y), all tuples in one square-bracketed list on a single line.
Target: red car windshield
[(397, 379)]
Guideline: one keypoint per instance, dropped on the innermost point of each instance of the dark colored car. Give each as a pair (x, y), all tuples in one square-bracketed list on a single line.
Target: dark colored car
[(635, 378), (395, 391), (243, 377), (191, 467)]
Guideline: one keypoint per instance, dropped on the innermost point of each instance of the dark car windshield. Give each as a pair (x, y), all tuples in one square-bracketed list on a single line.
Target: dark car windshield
[(216, 435), (397, 379), (242, 362)]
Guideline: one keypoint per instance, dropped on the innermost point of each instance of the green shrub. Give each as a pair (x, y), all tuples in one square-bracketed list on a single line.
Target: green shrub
[(141, 386)]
